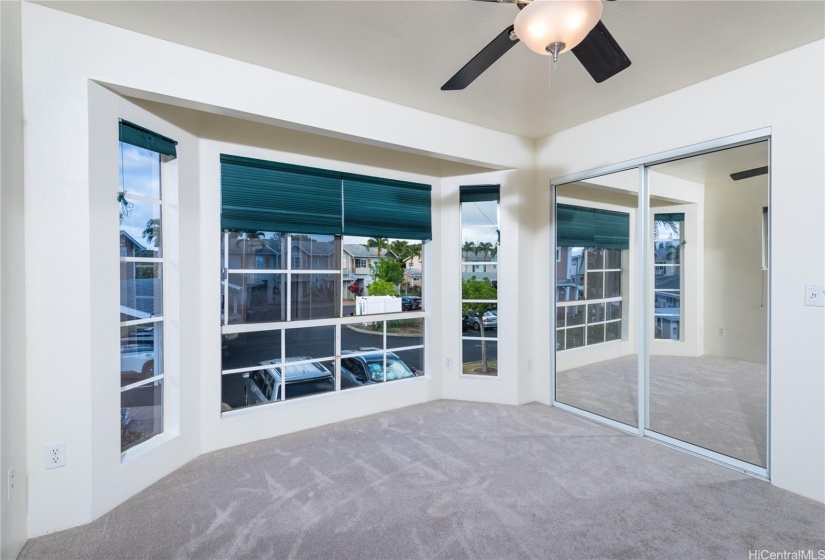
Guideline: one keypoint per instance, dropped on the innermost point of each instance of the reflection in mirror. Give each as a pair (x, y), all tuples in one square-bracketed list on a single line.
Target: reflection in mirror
[(708, 292), (596, 346)]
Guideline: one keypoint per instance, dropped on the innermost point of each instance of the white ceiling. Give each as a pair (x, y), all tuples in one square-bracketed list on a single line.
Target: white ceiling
[(403, 51)]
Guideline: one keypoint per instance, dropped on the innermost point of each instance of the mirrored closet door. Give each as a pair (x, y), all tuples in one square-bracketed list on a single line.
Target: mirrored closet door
[(660, 301)]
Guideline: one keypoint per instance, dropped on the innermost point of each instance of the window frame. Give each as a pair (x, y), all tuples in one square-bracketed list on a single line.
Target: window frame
[(167, 178), (463, 264), (664, 267)]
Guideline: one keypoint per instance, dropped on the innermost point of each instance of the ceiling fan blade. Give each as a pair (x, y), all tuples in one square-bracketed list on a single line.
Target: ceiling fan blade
[(600, 54), (482, 61)]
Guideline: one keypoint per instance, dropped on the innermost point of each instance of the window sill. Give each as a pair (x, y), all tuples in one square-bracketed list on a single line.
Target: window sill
[(146, 447), (285, 405)]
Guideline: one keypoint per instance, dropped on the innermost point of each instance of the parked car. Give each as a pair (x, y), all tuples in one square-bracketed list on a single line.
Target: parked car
[(369, 368), (465, 322), (410, 303), (137, 358), (264, 385), (488, 318)]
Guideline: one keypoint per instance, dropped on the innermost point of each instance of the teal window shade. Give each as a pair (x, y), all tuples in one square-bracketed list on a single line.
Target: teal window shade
[(577, 226), (135, 135), (671, 217), (478, 193), (376, 207), (258, 195)]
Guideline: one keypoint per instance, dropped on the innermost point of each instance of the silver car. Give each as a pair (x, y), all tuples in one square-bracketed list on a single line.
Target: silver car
[(488, 318), (264, 385)]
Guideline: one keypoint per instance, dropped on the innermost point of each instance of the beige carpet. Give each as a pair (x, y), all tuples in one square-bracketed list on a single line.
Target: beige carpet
[(716, 403), (449, 479)]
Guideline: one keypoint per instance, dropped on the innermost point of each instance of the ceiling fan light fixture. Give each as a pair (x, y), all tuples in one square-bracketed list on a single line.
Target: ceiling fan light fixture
[(544, 23)]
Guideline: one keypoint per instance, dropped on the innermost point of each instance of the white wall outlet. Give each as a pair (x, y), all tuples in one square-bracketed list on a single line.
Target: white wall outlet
[(721, 331), (448, 363), (815, 295), (55, 455), (11, 484)]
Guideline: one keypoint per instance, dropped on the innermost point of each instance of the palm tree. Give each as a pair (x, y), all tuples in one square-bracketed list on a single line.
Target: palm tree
[(486, 247), (469, 247), (401, 249), (377, 242), (152, 232)]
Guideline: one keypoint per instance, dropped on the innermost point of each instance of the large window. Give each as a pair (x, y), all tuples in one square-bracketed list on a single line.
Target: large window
[(668, 231), (292, 299), (589, 270), (480, 239), (141, 254)]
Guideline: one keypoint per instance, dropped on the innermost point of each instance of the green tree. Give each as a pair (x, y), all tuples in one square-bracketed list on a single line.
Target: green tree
[(487, 248), (401, 249), (388, 270), (152, 232), (473, 288), (467, 248), (381, 288), (379, 243)]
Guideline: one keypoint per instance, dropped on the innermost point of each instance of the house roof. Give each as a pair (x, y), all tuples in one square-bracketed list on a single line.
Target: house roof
[(362, 251), (314, 248), (135, 242)]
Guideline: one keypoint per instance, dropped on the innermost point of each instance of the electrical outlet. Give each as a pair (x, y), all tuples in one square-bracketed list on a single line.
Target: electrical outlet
[(55, 455), (448, 363), (12, 483), (721, 331)]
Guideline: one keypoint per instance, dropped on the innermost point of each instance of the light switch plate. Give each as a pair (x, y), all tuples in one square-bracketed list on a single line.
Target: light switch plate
[(815, 295)]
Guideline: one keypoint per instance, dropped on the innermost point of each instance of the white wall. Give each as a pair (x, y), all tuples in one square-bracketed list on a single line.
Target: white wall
[(736, 287), (65, 112), (12, 287), (514, 381), (785, 93)]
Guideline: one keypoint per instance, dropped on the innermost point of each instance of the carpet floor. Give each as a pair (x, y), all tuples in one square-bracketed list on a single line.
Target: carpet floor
[(449, 479), (717, 403)]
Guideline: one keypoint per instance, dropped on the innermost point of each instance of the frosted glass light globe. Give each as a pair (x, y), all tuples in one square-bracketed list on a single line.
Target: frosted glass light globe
[(544, 22)]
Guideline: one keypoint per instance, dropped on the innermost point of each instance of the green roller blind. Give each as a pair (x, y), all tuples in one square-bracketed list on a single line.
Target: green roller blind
[(258, 195), (269, 196), (478, 193), (577, 226), (131, 133), (376, 207), (670, 217)]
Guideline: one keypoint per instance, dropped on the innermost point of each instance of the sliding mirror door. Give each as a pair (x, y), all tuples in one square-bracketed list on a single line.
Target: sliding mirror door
[(708, 292), (595, 302)]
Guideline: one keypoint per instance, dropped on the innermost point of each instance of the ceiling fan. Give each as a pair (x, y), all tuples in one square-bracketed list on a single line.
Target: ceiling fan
[(551, 27)]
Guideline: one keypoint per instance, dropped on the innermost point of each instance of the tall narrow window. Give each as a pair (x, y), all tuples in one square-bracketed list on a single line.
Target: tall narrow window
[(480, 238), (668, 235), (589, 293), (142, 154)]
